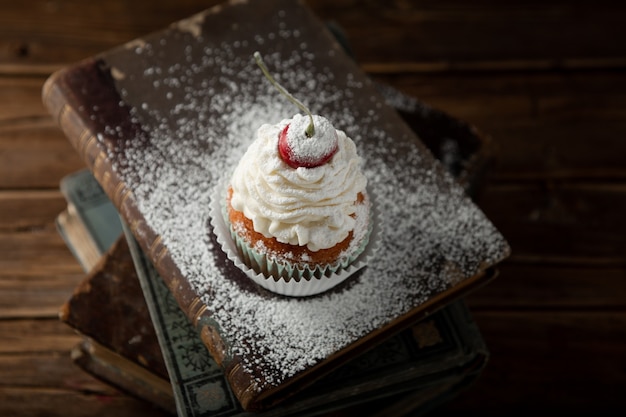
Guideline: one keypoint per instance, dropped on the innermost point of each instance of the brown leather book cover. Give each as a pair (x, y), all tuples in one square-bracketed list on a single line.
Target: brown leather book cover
[(108, 294), (120, 345), (163, 120)]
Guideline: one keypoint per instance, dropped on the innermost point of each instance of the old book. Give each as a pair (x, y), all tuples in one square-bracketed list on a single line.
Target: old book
[(120, 345), (107, 308), (105, 352), (162, 121)]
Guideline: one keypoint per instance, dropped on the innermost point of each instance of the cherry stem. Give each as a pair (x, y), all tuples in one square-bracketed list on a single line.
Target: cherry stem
[(310, 130)]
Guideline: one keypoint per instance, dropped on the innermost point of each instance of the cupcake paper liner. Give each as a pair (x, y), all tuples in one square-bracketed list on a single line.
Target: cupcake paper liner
[(284, 278)]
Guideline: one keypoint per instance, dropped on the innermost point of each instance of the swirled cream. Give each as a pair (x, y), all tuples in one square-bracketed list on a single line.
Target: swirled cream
[(298, 206)]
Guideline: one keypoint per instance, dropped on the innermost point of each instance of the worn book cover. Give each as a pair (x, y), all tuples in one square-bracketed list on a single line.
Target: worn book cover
[(120, 345), (163, 120)]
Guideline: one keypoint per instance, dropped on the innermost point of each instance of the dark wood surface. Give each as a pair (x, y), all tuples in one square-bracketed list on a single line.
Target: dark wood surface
[(545, 79)]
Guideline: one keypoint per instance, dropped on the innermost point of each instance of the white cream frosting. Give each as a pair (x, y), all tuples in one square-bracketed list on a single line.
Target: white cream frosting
[(301, 206)]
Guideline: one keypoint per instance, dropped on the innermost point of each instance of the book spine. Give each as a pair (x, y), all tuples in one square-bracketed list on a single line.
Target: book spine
[(111, 368), (62, 103), (63, 106)]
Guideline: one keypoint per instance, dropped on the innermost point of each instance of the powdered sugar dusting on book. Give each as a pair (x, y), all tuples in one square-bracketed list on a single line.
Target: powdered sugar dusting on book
[(210, 104)]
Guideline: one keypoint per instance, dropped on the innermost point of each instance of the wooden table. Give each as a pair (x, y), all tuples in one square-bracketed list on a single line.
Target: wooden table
[(546, 79)]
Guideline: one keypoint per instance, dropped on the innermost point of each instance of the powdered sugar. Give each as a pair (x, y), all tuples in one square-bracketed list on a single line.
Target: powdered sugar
[(200, 114)]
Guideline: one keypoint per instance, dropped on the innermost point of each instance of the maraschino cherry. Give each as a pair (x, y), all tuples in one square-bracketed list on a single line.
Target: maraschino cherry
[(302, 144)]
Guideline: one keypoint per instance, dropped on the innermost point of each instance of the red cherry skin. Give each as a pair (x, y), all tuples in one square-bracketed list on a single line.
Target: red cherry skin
[(296, 161)]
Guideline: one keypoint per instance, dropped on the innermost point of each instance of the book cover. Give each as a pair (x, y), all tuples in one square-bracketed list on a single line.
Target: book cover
[(120, 345), (162, 120)]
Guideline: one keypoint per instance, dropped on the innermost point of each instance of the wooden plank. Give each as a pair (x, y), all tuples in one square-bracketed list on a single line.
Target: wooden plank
[(552, 362), (21, 210), (34, 153), (528, 286), (544, 96), (37, 273), (35, 156), (36, 336), (46, 370), (543, 125), (21, 101), (452, 35), (550, 340), (35, 252), (55, 402), (567, 222), (48, 35), (39, 296), (560, 151), (40, 384), (444, 35), (44, 365)]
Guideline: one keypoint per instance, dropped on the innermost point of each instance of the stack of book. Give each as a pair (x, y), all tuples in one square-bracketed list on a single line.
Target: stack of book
[(146, 329), (119, 303)]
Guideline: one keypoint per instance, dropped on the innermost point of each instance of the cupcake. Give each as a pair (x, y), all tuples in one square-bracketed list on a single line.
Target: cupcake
[(297, 207)]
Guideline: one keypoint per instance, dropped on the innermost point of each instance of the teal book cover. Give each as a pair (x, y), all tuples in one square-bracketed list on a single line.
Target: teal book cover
[(95, 211)]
